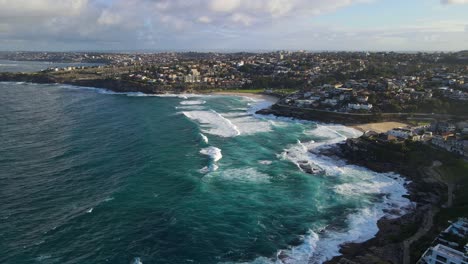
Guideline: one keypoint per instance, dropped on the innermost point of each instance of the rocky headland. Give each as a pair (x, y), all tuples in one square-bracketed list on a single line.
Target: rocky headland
[(393, 242)]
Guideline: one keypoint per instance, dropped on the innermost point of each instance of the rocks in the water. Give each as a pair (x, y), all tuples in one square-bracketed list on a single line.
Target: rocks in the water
[(309, 167)]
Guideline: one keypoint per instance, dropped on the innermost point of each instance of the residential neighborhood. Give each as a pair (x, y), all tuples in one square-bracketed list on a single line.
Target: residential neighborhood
[(451, 246)]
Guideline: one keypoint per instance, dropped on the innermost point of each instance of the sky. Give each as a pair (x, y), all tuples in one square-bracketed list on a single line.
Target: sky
[(233, 25)]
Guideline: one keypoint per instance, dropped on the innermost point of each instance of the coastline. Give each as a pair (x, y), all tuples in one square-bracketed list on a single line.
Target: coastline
[(391, 243), (386, 226), (383, 245), (379, 127), (256, 96), (121, 86)]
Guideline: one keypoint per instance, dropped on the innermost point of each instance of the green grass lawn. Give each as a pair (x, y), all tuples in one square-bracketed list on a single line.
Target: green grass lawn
[(455, 172)]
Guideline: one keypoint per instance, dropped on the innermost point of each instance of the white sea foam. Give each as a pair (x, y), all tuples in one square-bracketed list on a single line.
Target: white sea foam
[(215, 155), (258, 106), (183, 96), (190, 107), (213, 123), (137, 261), (247, 125), (250, 175), (265, 162), (362, 225), (204, 138), (228, 124), (193, 102), (213, 152)]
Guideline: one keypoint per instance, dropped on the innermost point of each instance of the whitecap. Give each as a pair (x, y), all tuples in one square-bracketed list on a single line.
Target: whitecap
[(362, 225), (265, 162), (241, 175), (193, 102), (215, 155), (213, 152), (190, 107), (213, 123), (137, 261), (204, 138)]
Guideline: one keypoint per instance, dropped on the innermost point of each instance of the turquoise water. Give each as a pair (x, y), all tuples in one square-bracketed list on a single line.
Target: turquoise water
[(89, 176)]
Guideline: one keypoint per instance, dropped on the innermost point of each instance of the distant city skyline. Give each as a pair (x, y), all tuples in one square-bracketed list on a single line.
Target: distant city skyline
[(233, 25)]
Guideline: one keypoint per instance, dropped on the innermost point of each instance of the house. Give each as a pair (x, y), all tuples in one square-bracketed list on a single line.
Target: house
[(465, 131), (447, 248), (362, 99), (443, 127), (441, 254), (331, 102), (465, 148), (401, 133), (360, 106), (449, 143)]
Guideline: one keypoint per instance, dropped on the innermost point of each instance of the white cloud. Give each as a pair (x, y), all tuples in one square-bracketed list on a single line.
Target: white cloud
[(453, 2), (209, 24), (204, 19), (41, 8), (243, 19), (108, 18), (224, 5)]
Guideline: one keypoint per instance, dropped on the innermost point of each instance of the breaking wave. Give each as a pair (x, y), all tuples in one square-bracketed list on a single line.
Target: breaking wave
[(215, 155), (249, 175), (321, 245), (213, 123), (194, 102), (204, 138)]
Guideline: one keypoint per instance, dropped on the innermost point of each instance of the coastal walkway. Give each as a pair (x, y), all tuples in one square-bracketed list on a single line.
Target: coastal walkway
[(425, 227)]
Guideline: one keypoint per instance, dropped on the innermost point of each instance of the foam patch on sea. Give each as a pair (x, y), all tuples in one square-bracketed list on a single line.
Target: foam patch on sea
[(321, 245), (215, 155), (247, 175), (212, 122)]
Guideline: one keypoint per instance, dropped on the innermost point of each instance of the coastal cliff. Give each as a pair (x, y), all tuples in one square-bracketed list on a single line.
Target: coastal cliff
[(112, 84), (399, 240)]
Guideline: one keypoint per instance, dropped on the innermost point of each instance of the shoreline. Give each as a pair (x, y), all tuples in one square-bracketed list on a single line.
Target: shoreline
[(346, 249), (365, 251), (379, 127), (256, 96), (389, 244)]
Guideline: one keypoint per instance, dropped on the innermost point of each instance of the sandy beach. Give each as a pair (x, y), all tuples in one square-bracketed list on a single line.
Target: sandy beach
[(379, 127), (265, 97)]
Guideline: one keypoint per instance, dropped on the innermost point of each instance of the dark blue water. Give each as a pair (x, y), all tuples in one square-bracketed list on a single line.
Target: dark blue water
[(91, 177)]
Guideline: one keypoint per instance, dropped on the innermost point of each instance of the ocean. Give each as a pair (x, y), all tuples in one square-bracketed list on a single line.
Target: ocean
[(91, 176)]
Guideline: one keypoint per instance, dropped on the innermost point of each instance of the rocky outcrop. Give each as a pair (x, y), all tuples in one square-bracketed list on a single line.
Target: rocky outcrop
[(25, 77), (116, 85), (388, 246)]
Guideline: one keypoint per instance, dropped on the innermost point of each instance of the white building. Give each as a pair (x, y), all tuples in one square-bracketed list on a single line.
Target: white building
[(400, 133), (441, 254), (331, 102), (360, 106), (449, 252)]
